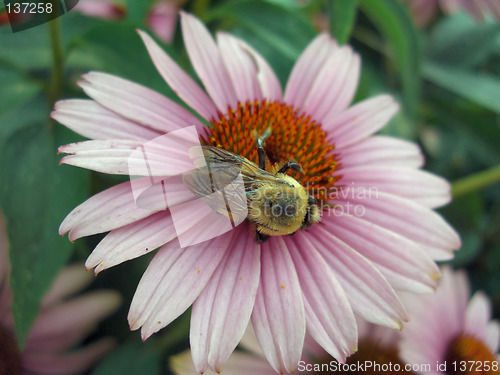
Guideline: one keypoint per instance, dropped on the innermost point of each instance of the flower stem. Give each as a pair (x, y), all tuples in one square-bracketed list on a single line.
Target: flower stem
[(56, 78), (476, 181)]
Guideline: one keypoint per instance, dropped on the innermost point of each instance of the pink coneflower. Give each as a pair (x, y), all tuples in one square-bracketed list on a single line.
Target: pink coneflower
[(61, 323), (378, 231), (378, 354), (423, 11), (450, 332)]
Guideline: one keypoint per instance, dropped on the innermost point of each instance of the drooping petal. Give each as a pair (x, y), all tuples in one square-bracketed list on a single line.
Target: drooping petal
[(138, 103), (369, 293), (207, 62), (279, 316), (411, 220), (360, 120), (329, 90), (222, 312), (240, 67), (173, 280), (66, 324), (132, 241), (182, 84), (381, 151), (306, 69), (90, 119), (410, 269), (72, 363), (110, 209), (329, 317), (414, 184)]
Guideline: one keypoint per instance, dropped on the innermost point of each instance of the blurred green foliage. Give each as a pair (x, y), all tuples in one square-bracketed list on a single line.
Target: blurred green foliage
[(447, 77)]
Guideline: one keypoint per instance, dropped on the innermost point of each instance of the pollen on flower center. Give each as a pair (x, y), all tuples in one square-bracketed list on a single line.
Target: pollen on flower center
[(10, 358), (465, 348), (292, 136)]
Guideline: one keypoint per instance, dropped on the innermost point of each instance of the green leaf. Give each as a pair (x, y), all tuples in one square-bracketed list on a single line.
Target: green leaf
[(342, 18), (463, 42), (135, 357), (480, 88), (36, 194), (392, 20), (116, 48), (17, 89), (31, 49), (256, 22)]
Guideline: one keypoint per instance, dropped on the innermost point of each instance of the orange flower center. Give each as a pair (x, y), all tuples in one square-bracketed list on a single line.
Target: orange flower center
[(10, 358), (370, 359), (292, 136), (468, 355)]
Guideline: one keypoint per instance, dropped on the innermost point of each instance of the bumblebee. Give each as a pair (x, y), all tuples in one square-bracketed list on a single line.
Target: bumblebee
[(276, 204)]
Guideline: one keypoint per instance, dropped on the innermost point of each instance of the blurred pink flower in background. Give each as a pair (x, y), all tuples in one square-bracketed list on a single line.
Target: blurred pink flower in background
[(423, 11), (448, 328), (61, 324), (350, 263), (161, 19)]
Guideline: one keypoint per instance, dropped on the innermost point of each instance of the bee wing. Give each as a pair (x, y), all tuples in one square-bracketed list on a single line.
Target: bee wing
[(224, 166)]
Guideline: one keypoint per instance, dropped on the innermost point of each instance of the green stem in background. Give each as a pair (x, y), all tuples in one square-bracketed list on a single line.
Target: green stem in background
[(56, 78), (475, 181)]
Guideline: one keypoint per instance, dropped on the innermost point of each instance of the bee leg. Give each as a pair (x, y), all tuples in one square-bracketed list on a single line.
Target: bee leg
[(291, 165), (259, 237), (261, 153)]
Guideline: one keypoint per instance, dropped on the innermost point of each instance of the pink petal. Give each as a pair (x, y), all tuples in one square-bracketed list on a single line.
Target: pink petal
[(163, 156), (163, 19), (307, 68), (360, 121), (330, 85), (109, 156), (380, 151), (222, 312), (269, 84), (64, 325), (207, 62), (132, 241), (90, 119), (402, 216), (279, 316), (492, 340), (477, 316), (370, 295), (105, 211), (173, 280), (138, 103), (69, 281), (240, 67), (72, 363), (329, 316), (419, 186), (183, 85), (400, 260)]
